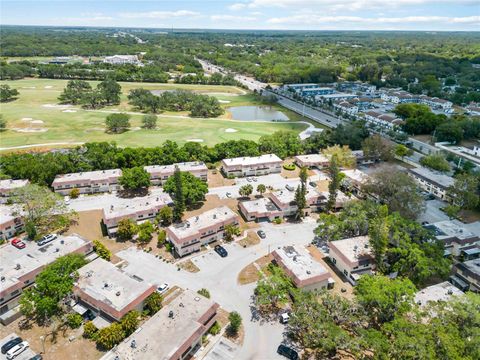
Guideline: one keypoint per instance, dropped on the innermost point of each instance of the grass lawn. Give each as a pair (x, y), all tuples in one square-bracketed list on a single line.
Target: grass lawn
[(37, 109)]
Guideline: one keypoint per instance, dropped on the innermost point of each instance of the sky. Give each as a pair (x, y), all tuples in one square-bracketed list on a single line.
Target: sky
[(428, 15)]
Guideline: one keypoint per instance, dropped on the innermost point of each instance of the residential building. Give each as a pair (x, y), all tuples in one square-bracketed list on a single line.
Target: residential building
[(382, 120), (471, 153), (260, 210), (173, 333), (361, 159), (354, 180), (362, 103), (205, 228), (335, 96), (318, 161), (346, 108), (108, 291), (313, 91), (357, 86), (442, 292), (159, 174), (8, 186), (20, 267), (89, 182), (352, 257), (433, 182), (252, 166), (456, 236), (285, 201), (138, 209), (466, 275), (473, 109), (305, 272), (122, 60), (11, 222)]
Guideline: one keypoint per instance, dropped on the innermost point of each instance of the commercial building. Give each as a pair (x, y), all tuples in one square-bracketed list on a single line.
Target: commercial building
[(160, 173), (318, 161), (352, 257), (122, 60), (173, 333), (89, 182), (252, 166), (11, 222), (108, 291), (433, 182), (457, 237), (466, 275), (306, 272), (436, 293), (8, 186), (205, 228), (19, 267), (260, 210), (137, 209)]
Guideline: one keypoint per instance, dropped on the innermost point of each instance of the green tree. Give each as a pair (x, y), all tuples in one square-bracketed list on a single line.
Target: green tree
[(376, 147), (261, 189), (110, 91), (402, 151), (384, 298), (117, 123), (126, 229), (464, 191), (175, 187), (379, 232), (231, 230), (204, 292), (89, 330), (193, 188), (7, 93), (245, 190), (130, 322), (74, 320), (145, 232), (449, 131), (235, 323), (149, 121), (215, 329), (3, 123), (343, 154), (334, 184), (110, 336), (272, 292), (435, 162), (74, 193), (153, 303), (74, 92), (162, 238), (300, 202), (92, 99), (165, 216), (134, 178), (102, 250)]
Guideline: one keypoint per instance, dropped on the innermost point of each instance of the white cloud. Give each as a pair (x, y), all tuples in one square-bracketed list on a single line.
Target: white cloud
[(159, 14), (237, 6), (232, 18)]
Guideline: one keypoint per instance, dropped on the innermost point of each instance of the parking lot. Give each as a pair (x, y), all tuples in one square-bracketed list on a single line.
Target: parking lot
[(25, 355)]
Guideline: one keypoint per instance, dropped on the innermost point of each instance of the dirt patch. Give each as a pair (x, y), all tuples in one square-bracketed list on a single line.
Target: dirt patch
[(88, 225), (251, 239), (251, 273), (216, 179), (230, 130), (188, 266), (29, 130)]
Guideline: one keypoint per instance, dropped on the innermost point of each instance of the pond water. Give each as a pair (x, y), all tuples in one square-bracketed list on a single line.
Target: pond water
[(265, 113)]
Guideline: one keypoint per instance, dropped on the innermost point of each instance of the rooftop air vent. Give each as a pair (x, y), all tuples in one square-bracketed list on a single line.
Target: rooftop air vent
[(170, 314), (118, 293)]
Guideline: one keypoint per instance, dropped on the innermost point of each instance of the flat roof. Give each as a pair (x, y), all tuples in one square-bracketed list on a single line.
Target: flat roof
[(312, 158), (286, 196), (87, 176), (452, 228), (353, 248), (356, 175), (300, 263), (471, 265), (252, 160), (261, 205), (196, 224), (337, 95), (7, 213), (10, 184), (137, 205), (435, 177), (185, 166), (163, 335), (15, 263), (438, 292), (104, 282)]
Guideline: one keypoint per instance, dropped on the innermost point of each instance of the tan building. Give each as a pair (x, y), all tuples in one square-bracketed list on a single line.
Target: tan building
[(108, 291), (285, 201), (466, 275), (137, 209), (306, 272), (11, 222), (20, 267), (89, 182), (319, 161), (173, 333), (433, 182), (205, 228), (160, 173), (352, 257), (259, 210), (252, 166), (7, 187)]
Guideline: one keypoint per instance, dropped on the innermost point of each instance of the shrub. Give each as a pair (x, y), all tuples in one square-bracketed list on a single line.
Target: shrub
[(204, 292), (162, 237), (101, 250), (289, 167), (126, 229), (277, 221), (235, 322), (153, 303), (74, 193), (110, 336), (74, 320), (215, 329), (89, 330), (130, 322)]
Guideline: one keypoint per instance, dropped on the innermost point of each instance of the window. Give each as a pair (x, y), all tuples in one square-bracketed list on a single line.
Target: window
[(345, 272)]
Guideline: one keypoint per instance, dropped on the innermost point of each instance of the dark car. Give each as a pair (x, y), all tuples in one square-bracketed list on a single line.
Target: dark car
[(261, 233), (313, 184), (10, 344), (289, 353), (220, 250), (37, 357)]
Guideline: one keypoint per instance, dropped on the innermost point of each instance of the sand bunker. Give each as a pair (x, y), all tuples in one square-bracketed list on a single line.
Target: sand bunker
[(27, 119), (69, 111), (48, 87), (224, 101), (195, 140), (230, 130), (56, 106), (136, 128), (28, 87), (30, 130), (36, 122)]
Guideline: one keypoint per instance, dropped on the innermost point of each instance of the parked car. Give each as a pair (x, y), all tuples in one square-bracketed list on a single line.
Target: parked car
[(289, 353), (249, 179), (313, 184), (255, 179), (10, 344), (289, 187), (162, 288), (46, 239), (220, 250), (19, 244), (284, 318), (66, 199), (37, 357), (262, 234), (17, 350)]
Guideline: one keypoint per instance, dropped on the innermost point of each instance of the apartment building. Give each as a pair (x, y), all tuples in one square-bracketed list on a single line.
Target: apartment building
[(382, 120), (252, 166), (173, 333), (108, 291), (261, 209), (205, 228), (318, 161), (457, 237), (20, 267), (137, 209), (354, 180), (11, 222), (441, 292), (352, 257), (433, 182), (346, 108), (89, 182), (284, 200), (8, 186), (159, 174), (122, 60), (305, 272), (466, 275)]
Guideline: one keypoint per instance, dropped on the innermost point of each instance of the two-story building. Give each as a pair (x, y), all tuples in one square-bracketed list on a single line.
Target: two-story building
[(318, 161), (88, 182), (11, 222), (160, 173), (466, 275), (252, 166), (8, 187), (433, 182)]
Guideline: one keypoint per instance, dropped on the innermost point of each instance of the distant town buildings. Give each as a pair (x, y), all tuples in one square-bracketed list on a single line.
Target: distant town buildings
[(122, 60), (382, 120), (8, 187), (88, 182), (252, 166)]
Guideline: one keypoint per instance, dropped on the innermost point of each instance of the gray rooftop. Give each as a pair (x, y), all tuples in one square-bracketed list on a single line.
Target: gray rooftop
[(438, 292), (433, 176), (299, 261)]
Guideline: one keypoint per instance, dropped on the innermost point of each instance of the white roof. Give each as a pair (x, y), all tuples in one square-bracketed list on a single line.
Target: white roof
[(433, 176), (438, 292), (312, 158), (356, 175), (105, 282), (8, 213), (450, 228), (353, 248), (137, 205), (10, 184), (299, 261), (256, 160), (261, 205), (99, 175), (286, 196), (169, 169)]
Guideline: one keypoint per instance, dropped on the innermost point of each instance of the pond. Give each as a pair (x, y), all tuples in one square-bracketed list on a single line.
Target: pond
[(249, 113)]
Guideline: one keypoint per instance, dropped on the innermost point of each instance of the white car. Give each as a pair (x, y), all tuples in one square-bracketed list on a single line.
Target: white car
[(162, 288), (17, 350), (46, 239), (66, 199)]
